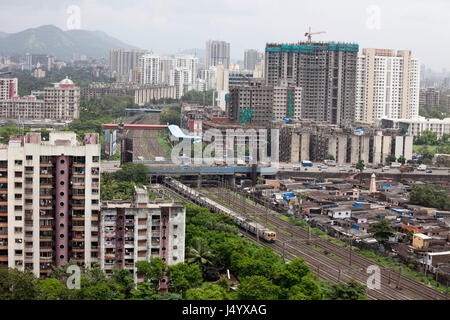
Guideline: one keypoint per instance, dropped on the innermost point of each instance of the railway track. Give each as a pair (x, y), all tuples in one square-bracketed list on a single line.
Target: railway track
[(355, 263)]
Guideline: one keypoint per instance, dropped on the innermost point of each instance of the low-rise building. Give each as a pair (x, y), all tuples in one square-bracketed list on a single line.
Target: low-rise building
[(421, 241)]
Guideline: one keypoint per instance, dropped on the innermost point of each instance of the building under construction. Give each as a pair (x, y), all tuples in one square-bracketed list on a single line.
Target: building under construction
[(326, 72), (314, 141)]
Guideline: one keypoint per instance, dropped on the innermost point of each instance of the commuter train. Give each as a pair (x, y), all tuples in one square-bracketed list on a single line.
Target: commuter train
[(243, 222)]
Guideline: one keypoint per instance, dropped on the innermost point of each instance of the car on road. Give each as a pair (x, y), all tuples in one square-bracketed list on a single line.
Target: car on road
[(296, 167), (342, 168), (386, 168), (429, 171), (323, 166), (422, 167)]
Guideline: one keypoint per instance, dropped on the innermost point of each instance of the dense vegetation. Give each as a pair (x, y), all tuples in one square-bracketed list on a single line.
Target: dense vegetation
[(170, 115), (431, 195), (120, 185), (199, 97)]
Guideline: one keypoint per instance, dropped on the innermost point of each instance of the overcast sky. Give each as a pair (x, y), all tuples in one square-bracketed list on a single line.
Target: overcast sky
[(168, 26)]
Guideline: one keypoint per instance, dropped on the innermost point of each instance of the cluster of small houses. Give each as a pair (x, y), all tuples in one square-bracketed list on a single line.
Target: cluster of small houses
[(347, 209)]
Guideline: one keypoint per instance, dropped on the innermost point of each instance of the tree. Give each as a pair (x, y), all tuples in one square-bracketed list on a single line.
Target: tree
[(351, 290), (430, 195), (427, 137), (121, 283), (360, 165), (258, 288), (51, 289), (330, 157), (182, 277), (408, 237), (401, 159), (17, 285), (135, 172), (291, 274), (382, 230), (170, 115), (208, 292), (200, 254), (307, 289), (443, 161), (390, 158)]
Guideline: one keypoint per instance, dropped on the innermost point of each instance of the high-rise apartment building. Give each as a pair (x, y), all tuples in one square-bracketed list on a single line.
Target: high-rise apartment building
[(429, 97), (122, 63), (49, 201), (326, 72), (251, 58), (180, 78), (387, 85), (8, 88), (190, 63), (132, 231), (150, 69), (217, 52), (167, 65)]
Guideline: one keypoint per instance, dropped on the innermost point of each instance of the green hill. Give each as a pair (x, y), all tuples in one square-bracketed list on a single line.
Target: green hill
[(62, 44)]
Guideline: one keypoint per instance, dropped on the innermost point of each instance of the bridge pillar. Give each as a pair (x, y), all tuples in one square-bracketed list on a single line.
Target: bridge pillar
[(232, 180), (199, 181)]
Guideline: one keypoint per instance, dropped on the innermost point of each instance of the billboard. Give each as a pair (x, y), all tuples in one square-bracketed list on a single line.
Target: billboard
[(114, 142), (107, 142)]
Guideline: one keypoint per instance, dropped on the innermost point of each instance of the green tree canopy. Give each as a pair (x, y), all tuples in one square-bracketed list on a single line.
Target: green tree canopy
[(382, 230), (430, 195), (258, 288)]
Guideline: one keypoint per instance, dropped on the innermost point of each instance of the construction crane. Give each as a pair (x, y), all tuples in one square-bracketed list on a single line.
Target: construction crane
[(309, 34)]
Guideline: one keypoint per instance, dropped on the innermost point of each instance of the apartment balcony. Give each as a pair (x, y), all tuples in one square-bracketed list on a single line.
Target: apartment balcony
[(46, 259), (46, 164), (3, 203), (46, 196), (78, 207), (78, 228), (46, 186), (46, 228), (78, 165), (80, 250), (78, 185), (45, 249), (4, 180), (78, 196), (79, 260)]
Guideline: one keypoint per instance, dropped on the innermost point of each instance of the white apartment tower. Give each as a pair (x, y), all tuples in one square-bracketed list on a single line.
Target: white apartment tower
[(49, 201), (150, 69), (190, 63), (387, 85), (180, 78)]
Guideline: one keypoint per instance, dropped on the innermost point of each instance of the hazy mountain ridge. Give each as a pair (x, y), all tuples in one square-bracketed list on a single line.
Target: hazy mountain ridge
[(62, 44)]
